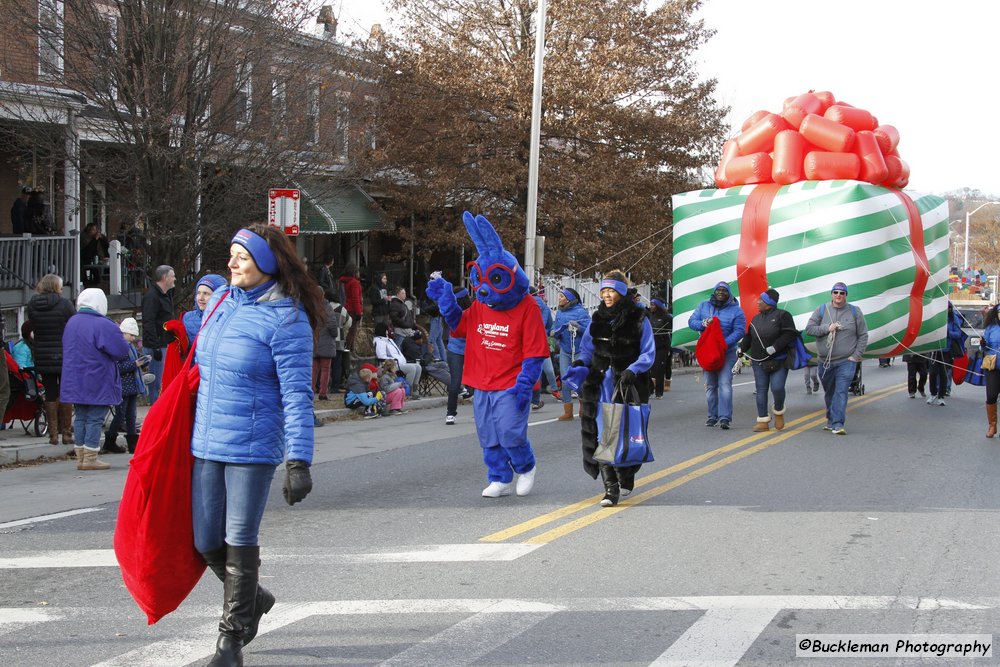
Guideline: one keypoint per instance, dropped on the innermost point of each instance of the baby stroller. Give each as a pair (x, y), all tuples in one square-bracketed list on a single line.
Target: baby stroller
[(27, 399), (857, 385)]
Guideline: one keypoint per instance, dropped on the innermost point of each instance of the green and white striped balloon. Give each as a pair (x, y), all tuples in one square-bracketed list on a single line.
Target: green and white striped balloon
[(819, 233)]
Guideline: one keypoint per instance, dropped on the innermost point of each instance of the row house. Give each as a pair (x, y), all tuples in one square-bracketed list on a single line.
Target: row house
[(111, 127)]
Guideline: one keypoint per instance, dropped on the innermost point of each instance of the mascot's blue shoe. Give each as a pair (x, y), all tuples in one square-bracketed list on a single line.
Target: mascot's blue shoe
[(498, 489)]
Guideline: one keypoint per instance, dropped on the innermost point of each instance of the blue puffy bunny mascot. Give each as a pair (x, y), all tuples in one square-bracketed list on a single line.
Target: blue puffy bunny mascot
[(505, 346)]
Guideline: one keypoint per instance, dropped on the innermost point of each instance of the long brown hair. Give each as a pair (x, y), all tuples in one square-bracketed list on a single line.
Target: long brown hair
[(293, 277)]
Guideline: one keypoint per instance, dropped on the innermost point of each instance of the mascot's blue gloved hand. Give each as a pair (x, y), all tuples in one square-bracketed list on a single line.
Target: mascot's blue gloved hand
[(440, 290), (574, 376), (531, 369)]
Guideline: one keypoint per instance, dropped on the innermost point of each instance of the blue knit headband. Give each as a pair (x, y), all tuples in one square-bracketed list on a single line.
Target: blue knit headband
[(258, 248), (569, 295), (766, 298), (616, 285)]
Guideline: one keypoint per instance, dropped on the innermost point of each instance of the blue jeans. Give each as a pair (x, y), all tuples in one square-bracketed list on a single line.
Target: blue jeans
[(88, 422), (228, 501), (436, 335), (719, 389), (836, 382), (456, 362), (773, 382), (549, 373), (156, 368), (124, 417), (564, 364)]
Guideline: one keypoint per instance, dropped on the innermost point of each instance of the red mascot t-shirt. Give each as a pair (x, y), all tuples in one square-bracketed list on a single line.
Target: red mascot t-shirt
[(497, 341)]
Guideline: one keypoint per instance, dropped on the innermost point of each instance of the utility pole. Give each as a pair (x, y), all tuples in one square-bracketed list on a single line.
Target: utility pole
[(536, 128)]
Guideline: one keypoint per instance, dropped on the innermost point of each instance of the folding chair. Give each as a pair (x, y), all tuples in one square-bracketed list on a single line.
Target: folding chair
[(428, 384)]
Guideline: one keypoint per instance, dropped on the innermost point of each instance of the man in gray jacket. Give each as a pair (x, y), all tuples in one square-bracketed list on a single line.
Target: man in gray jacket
[(841, 338)]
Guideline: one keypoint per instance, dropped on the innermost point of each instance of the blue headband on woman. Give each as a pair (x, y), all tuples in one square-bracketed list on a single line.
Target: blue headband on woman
[(766, 298), (569, 295), (258, 248), (659, 303), (616, 285)]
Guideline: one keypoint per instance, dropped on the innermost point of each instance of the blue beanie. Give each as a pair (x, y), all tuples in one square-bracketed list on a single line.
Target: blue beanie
[(839, 286), (213, 281)]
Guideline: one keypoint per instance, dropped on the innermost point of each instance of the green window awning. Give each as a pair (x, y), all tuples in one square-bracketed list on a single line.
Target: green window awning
[(332, 209)]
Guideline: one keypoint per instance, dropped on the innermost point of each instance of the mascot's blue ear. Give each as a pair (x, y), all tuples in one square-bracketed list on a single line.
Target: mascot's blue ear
[(481, 232)]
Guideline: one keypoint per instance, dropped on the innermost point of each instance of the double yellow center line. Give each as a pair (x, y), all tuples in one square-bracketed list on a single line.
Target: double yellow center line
[(768, 438)]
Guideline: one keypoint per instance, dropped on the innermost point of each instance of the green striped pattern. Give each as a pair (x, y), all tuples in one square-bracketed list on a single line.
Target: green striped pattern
[(820, 232)]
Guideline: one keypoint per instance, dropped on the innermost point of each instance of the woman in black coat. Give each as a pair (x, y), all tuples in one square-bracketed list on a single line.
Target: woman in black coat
[(617, 349), (49, 312), (771, 332)]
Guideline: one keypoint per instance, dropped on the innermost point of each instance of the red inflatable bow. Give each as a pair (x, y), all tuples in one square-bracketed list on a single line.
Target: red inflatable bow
[(814, 138)]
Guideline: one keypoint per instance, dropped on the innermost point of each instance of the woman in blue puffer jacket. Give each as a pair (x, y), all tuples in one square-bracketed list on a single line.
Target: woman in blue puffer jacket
[(203, 291), (572, 319), (254, 410)]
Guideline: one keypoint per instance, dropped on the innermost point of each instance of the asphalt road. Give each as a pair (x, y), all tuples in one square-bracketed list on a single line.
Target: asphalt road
[(734, 546)]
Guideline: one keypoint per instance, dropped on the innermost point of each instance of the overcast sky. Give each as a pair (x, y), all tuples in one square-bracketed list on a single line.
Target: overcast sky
[(930, 69)]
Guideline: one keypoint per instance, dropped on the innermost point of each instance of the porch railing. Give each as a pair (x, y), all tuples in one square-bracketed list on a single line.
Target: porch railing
[(25, 259)]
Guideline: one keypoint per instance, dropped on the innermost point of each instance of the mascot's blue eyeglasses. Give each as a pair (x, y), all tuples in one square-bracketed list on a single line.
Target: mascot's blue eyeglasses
[(499, 277)]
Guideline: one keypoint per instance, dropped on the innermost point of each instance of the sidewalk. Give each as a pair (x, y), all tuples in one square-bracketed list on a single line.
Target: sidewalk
[(16, 447)]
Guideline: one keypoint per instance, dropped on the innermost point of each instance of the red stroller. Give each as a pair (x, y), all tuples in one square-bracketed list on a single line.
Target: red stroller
[(27, 399)]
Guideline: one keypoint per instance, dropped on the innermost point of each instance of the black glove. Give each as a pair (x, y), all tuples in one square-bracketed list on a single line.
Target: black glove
[(627, 377), (298, 481), (578, 362), (157, 354)]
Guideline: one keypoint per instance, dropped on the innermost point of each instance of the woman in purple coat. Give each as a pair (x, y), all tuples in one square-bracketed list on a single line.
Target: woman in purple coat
[(92, 346)]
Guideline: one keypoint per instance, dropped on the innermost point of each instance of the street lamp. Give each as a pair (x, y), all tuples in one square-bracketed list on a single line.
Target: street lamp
[(967, 216)]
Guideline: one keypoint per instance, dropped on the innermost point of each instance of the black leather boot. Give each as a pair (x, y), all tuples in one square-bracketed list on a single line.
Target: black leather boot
[(220, 562), (611, 489)]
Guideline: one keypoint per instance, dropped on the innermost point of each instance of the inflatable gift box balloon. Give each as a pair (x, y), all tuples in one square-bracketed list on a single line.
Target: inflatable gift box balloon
[(802, 238)]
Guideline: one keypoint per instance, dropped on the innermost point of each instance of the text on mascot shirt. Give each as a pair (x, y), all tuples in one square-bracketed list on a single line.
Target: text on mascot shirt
[(497, 341)]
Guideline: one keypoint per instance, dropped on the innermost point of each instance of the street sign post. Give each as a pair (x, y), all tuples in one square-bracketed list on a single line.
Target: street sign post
[(283, 210)]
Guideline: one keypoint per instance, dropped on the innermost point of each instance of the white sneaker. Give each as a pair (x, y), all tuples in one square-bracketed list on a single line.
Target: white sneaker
[(913, 395), (526, 481), (930, 401), (497, 489), (940, 401), (449, 420)]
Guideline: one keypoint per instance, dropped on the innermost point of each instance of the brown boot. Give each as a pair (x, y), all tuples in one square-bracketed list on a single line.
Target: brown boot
[(52, 419), (567, 413), (763, 424), (779, 420), (66, 423), (78, 452), (666, 385), (991, 415), (90, 461)]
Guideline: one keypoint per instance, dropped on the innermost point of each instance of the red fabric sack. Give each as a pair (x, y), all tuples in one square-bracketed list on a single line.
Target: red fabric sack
[(154, 533), (177, 349), (959, 368), (710, 350)]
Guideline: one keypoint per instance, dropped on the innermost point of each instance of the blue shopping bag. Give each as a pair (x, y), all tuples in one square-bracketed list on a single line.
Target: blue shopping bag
[(622, 431), (975, 375)]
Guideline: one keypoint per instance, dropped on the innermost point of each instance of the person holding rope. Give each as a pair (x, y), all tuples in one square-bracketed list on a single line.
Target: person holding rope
[(939, 363), (766, 343), (572, 320), (841, 338), (990, 344), (719, 384)]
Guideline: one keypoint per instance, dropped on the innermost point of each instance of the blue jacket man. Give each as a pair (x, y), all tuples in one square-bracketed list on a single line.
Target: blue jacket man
[(719, 384)]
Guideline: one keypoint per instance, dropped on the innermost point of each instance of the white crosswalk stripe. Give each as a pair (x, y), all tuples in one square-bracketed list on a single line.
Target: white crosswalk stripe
[(719, 637)]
